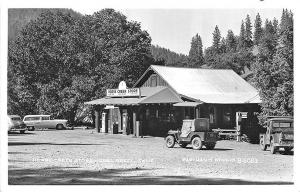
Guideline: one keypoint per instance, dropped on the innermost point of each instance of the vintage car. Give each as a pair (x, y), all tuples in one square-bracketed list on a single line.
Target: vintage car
[(15, 123), (279, 134), (44, 122), (193, 131)]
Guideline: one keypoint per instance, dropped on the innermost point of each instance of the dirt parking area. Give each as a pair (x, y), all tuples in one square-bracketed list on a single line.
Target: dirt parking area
[(87, 157)]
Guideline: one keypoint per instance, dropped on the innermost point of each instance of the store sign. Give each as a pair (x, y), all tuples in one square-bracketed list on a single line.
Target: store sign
[(243, 115), (123, 92)]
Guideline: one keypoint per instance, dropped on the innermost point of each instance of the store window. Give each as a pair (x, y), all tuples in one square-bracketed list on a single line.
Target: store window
[(227, 115)]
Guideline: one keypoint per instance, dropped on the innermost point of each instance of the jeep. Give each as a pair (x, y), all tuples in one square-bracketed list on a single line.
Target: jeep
[(193, 131)]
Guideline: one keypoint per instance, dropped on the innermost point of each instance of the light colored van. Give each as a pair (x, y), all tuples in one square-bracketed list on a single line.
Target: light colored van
[(44, 122)]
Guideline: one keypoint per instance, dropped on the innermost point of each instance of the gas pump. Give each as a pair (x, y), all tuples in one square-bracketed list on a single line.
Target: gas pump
[(125, 122), (104, 123)]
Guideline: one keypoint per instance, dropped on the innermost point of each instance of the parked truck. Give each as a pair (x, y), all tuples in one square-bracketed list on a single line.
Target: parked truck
[(279, 134)]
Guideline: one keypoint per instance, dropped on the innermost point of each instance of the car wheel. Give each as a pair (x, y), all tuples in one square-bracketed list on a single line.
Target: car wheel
[(59, 127), (31, 128), (183, 145), (170, 141), (262, 144), (197, 143), (210, 146), (22, 131), (273, 149)]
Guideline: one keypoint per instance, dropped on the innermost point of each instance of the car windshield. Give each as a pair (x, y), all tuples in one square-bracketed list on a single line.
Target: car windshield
[(16, 118)]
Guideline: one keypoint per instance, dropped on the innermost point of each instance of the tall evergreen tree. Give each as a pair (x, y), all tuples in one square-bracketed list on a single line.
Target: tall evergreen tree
[(241, 42), (274, 78), (223, 45), (231, 42), (248, 32), (196, 52), (268, 42), (258, 31), (216, 39)]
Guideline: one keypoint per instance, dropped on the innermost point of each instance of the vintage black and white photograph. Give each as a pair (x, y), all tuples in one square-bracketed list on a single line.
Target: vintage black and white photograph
[(119, 96)]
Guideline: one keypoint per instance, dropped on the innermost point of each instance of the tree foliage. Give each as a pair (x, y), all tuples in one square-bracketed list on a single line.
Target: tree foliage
[(216, 40), (258, 31), (163, 56), (248, 32), (274, 75), (60, 61), (196, 52)]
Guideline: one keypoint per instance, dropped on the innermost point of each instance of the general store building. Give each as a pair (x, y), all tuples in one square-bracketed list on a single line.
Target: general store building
[(164, 96)]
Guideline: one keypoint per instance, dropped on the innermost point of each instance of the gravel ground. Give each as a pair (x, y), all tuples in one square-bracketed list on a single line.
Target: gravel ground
[(87, 157)]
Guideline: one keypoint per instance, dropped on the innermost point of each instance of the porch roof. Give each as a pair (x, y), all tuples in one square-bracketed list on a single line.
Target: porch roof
[(148, 95), (187, 104)]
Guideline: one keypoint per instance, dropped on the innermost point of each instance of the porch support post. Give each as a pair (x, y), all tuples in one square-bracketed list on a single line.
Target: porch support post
[(97, 123), (134, 120)]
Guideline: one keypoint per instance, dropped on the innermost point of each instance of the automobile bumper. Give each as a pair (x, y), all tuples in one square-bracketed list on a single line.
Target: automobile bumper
[(285, 144), (18, 128)]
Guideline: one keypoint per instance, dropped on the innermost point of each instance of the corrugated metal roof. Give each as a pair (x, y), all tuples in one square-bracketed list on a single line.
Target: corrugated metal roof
[(209, 85), (148, 95)]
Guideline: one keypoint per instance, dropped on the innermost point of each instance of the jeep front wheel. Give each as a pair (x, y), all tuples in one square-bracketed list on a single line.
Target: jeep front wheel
[(262, 144), (197, 143), (273, 149), (170, 141)]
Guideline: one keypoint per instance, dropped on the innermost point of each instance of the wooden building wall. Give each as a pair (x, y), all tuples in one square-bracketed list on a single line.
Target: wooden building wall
[(154, 80)]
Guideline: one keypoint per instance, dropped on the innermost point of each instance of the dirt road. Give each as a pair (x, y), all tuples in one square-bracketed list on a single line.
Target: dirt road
[(87, 157)]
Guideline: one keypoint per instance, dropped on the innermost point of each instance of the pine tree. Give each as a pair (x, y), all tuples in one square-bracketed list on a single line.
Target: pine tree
[(274, 77), (223, 45), (248, 32), (258, 31), (283, 70), (241, 43), (196, 52), (268, 42), (231, 42), (216, 39)]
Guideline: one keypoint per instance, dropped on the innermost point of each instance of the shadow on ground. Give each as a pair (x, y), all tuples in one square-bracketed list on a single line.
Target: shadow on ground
[(28, 143), (20, 134), (215, 149), (71, 176)]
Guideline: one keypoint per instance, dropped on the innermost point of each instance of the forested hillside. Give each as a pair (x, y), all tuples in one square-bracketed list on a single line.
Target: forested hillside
[(18, 18), (169, 58)]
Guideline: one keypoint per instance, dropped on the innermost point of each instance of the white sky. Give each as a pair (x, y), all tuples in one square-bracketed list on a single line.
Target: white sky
[(174, 28)]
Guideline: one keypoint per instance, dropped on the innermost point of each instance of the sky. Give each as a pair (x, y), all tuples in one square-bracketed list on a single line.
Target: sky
[(174, 28)]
